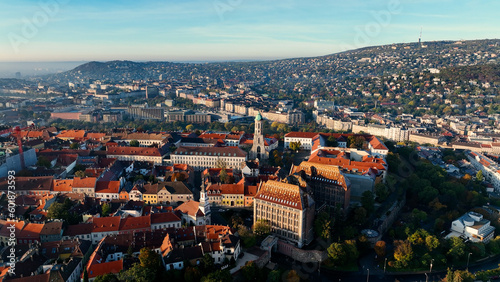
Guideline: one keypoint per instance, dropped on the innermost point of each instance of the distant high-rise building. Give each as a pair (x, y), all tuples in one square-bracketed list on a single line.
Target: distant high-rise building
[(18, 75)]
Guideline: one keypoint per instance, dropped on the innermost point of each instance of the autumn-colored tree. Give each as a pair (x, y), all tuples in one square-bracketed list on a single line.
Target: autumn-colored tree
[(80, 174), (403, 252), (261, 228), (380, 247)]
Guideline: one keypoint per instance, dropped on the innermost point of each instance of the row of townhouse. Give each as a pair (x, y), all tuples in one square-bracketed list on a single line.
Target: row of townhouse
[(115, 225), (314, 141), (28, 232), (201, 158), (490, 169)]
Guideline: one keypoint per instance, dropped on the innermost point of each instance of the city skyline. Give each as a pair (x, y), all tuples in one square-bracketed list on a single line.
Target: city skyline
[(225, 30)]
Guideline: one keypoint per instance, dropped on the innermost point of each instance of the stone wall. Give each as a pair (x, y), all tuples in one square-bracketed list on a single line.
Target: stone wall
[(301, 255)]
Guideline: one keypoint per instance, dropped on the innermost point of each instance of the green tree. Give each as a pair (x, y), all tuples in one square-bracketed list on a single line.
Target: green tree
[(218, 276), (223, 176), (332, 141), (274, 276), (337, 253), (149, 259), (295, 146), (323, 225), (192, 274), (479, 176), (261, 228), (134, 143), (74, 146), (108, 277), (207, 263), (106, 209), (360, 215), (381, 191), (431, 242), (368, 201), (457, 248), (189, 127), (85, 275), (80, 174), (43, 161)]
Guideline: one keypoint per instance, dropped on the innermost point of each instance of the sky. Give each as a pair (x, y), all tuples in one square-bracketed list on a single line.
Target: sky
[(220, 30)]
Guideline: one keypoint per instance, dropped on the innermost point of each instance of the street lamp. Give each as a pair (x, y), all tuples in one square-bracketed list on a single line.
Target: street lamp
[(432, 260), (468, 257), (426, 277), (368, 275), (385, 264)]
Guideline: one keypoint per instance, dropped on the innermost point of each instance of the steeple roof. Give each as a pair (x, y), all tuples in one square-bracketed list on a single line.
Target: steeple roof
[(258, 117)]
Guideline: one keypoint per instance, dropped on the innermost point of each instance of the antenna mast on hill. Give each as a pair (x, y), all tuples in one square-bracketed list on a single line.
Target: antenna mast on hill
[(420, 37)]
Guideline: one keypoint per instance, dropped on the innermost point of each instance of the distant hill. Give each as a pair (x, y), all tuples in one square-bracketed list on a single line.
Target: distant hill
[(368, 61)]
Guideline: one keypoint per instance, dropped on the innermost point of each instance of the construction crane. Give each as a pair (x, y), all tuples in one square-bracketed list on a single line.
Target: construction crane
[(17, 131)]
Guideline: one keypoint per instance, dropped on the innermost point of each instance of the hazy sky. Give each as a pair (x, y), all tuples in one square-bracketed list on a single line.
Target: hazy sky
[(84, 30)]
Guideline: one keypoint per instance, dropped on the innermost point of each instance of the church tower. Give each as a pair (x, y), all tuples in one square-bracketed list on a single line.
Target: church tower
[(258, 150), (204, 205)]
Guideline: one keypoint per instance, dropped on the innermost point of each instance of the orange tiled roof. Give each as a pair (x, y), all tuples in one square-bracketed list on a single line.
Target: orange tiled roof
[(95, 136), (97, 269), (74, 134), (62, 185), (190, 207), (281, 193), (86, 182)]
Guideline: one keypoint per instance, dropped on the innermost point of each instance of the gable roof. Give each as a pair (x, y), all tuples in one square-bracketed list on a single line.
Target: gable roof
[(191, 208), (86, 182), (159, 218), (107, 187), (105, 224), (62, 185), (140, 151), (131, 223)]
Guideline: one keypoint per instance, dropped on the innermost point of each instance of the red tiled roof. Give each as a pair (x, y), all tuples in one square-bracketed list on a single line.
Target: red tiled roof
[(107, 187), (211, 151), (35, 278), (301, 134), (40, 183), (106, 224), (226, 189), (31, 230), (4, 232), (157, 218), (78, 229), (131, 223), (141, 151)]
